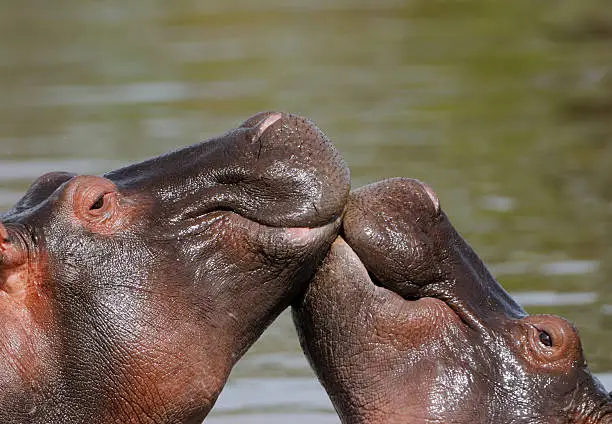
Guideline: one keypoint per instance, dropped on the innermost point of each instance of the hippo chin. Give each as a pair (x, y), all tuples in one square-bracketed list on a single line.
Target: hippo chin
[(128, 298), (404, 324)]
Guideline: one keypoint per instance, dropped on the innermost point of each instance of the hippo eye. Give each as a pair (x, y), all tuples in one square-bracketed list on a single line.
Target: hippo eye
[(98, 203), (545, 339)]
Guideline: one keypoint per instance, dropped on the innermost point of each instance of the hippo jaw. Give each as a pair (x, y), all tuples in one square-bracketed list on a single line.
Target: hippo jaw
[(144, 287), (406, 294)]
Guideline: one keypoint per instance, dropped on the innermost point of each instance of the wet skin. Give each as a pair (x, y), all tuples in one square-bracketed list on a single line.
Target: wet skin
[(404, 324), (128, 298)]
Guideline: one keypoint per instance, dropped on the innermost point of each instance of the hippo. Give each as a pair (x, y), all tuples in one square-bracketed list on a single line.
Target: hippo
[(128, 297), (403, 323)]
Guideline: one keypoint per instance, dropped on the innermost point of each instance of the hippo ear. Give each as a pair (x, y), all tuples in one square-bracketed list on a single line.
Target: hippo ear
[(40, 190)]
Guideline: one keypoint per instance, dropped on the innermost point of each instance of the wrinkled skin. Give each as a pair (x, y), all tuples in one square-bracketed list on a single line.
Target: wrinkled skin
[(404, 324), (128, 298)]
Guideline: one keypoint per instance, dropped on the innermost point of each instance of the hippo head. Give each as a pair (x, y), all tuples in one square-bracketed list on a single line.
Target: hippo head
[(128, 298), (404, 324)]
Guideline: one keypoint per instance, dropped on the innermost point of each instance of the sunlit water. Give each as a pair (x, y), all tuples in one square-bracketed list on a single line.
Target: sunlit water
[(510, 125)]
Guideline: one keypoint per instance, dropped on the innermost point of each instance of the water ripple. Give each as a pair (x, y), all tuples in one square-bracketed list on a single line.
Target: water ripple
[(144, 92), (551, 298), (29, 170), (566, 267)]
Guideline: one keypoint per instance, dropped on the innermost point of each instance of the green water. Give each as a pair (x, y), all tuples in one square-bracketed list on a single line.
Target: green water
[(505, 108)]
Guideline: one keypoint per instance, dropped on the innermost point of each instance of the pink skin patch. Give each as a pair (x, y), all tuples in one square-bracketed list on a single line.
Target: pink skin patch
[(11, 256), (267, 123), (13, 266), (15, 281), (433, 196), (299, 234), (4, 236)]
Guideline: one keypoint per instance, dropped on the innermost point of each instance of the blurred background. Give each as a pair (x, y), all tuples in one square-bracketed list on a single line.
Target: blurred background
[(504, 107)]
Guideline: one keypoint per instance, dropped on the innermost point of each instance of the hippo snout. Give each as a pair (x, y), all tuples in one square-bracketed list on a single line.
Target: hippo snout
[(277, 169)]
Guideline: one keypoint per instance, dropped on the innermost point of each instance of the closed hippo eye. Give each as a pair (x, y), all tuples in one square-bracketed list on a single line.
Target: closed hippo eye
[(103, 207), (549, 343), (98, 204)]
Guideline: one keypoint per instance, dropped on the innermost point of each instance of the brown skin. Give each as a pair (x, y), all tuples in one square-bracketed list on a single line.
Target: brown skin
[(404, 324), (128, 298)]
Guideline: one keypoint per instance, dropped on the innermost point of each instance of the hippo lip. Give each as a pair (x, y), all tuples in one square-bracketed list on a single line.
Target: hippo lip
[(465, 314), (457, 301), (449, 295), (444, 303), (293, 235), (441, 306)]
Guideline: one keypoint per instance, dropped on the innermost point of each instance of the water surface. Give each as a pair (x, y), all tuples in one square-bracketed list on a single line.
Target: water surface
[(503, 107)]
